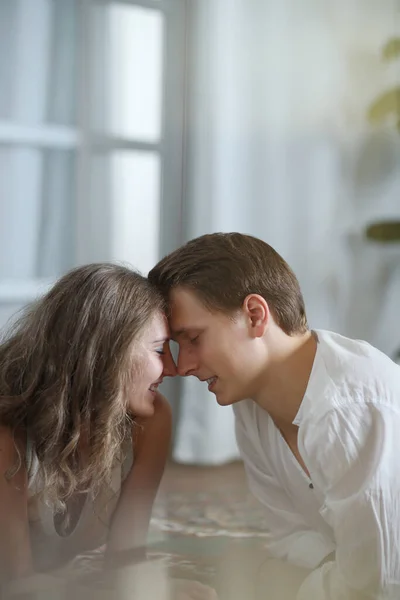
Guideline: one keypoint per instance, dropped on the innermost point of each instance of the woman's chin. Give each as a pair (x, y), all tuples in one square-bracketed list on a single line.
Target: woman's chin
[(145, 408)]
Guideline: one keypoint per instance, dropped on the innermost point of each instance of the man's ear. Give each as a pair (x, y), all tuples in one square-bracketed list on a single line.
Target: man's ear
[(257, 311)]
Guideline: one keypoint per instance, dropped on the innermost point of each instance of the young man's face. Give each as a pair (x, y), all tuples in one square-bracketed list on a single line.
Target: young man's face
[(215, 348)]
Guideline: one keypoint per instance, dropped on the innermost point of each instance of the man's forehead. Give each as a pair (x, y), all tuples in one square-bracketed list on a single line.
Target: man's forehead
[(183, 306), (183, 297), (182, 321), (186, 312)]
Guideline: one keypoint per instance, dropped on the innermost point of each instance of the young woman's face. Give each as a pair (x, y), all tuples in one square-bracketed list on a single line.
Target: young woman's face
[(156, 362)]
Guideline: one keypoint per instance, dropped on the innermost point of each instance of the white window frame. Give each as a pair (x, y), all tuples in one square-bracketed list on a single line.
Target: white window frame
[(92, 245)]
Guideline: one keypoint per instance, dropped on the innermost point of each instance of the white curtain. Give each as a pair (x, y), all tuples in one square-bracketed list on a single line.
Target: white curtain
[(37, 186), (278, 146)]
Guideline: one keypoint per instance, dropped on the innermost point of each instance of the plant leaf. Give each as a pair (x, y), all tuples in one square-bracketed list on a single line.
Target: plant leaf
[(386, 231), (386, 104), (391, 49)]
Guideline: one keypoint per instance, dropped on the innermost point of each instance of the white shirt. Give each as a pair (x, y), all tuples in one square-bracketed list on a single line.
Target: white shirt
[(349, 440)]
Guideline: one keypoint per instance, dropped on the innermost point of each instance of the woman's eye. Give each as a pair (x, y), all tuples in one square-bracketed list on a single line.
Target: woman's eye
[(160, 351)]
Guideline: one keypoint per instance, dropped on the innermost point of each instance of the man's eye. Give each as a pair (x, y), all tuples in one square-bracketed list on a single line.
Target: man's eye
[(194, 340)]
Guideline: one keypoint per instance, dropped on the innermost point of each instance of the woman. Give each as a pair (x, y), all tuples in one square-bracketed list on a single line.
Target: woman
[(84, 433)]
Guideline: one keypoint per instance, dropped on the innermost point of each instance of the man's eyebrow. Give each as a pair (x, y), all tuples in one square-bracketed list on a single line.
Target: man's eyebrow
[(178, 332), (184, 331)]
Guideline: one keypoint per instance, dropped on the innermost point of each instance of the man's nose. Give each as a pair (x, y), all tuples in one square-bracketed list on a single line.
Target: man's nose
[(185, 364), (169, 364)]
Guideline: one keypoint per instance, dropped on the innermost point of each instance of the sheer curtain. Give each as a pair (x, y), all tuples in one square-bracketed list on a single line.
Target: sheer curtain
[(38, 143), (91, 117), (37, 91), (278, 146)]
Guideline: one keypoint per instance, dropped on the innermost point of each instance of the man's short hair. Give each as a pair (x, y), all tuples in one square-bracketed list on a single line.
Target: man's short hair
[(223, 268)]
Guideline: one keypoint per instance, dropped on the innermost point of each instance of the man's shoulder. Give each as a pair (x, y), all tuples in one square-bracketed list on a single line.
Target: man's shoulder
[(356, 370), (340, 350), (355, 386)]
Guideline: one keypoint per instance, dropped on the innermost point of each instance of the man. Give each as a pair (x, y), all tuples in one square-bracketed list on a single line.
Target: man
[(317, 414)]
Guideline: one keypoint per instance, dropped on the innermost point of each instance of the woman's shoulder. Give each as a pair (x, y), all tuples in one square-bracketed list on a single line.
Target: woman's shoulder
[(12, 455), (11, 444)]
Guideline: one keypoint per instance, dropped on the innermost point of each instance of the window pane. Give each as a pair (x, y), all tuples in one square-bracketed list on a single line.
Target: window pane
[(38, 41), (136, 49), (135, 189), (36, 215)]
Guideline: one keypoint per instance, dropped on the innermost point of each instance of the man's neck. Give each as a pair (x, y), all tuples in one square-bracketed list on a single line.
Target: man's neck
[(286, 378)]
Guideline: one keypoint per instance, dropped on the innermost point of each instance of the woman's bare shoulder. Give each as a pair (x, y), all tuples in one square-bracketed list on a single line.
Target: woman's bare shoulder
[(12, 451)]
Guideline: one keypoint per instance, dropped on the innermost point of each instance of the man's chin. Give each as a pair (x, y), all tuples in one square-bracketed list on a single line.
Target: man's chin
[(224, 400)]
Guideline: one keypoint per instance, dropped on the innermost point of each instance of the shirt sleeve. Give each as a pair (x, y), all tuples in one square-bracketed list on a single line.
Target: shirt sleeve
[(288, 536), (356, 451)]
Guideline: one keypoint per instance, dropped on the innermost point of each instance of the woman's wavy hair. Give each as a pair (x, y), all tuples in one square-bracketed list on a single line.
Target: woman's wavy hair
[(66, 368)]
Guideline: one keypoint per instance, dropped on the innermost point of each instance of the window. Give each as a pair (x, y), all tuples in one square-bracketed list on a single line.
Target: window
[(91, 117)]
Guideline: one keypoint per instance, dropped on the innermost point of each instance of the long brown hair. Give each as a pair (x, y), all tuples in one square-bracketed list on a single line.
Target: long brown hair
[(66, 368), (223, 268)]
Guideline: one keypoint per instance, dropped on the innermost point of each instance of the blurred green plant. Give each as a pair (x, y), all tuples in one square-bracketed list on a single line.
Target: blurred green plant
[(385, 231), (387, 104)]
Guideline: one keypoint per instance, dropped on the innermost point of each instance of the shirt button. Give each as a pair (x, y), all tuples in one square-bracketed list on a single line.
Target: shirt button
[(311, 486)]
